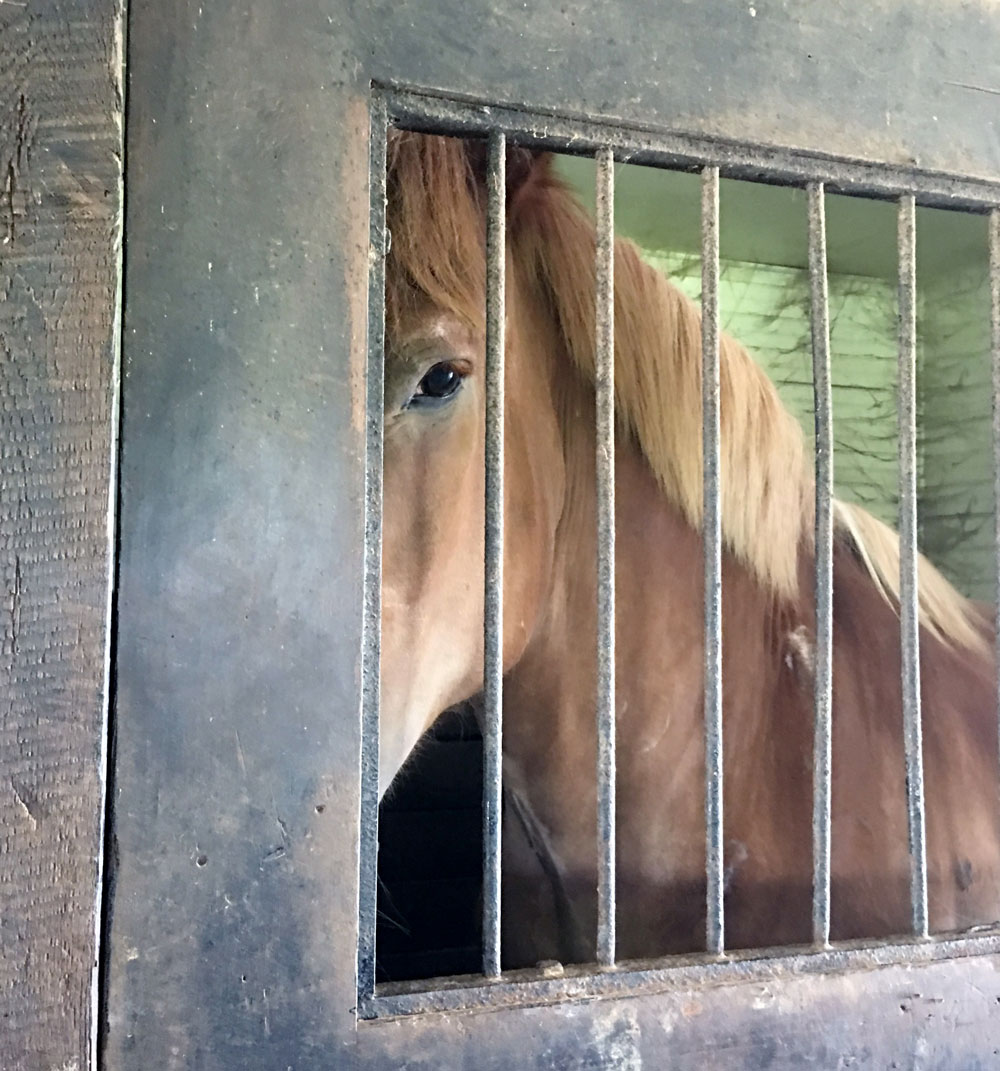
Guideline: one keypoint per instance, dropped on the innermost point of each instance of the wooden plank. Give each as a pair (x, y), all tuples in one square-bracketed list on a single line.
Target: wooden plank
[(60, 223), (232, 929)]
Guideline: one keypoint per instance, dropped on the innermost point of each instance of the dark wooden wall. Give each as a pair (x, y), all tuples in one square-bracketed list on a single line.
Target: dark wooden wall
[(60, 228)]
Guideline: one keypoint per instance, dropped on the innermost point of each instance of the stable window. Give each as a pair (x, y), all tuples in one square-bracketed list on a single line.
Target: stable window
[(955, 504)]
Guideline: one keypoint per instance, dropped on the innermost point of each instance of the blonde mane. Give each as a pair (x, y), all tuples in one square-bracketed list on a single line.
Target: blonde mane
[(436, 219), (766, 491)]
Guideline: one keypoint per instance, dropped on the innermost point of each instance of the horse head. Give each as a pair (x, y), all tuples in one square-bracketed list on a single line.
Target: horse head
[(433, 514)]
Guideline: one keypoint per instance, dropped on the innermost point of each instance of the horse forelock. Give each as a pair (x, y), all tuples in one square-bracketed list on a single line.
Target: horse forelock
[(436, 225), (436, 218)]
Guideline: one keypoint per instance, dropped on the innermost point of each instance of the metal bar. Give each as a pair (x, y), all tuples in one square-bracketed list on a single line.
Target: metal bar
[(823, 683), (537, 987), (656, 147), (712, 542), (372, 626), (605, 461), (908, 605), (994, 253), (496, 182)]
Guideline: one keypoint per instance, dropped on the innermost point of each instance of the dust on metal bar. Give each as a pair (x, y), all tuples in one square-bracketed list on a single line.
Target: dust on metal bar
[(639, 144), (493, 618), (372, 624), (908, 599), (712, 543), (677, 975), (605, 382), (823, 684), (994, 248)]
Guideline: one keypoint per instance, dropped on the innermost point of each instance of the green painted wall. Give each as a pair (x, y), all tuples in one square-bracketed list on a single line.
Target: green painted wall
[(767, 308), (955, 421)]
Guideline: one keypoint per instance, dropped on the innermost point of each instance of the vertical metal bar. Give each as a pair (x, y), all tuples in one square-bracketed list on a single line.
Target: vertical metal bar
[(496, 182), (712, 539), (823, 685), (372, 629), (605, 381), (994, 248), (908, 604)]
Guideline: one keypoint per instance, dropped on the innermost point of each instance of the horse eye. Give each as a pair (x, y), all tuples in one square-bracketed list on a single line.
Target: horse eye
[(438, 384)]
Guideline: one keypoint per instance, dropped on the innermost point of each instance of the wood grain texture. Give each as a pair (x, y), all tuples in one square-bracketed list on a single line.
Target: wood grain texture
[(60, 211)]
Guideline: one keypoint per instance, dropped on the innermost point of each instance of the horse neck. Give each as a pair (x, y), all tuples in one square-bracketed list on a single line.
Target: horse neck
[(550, 694)]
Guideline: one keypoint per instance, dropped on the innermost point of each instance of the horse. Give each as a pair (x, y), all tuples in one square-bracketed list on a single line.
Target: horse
[(432, 600)]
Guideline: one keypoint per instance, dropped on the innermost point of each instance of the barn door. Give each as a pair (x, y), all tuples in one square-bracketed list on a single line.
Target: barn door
[(232, 928)]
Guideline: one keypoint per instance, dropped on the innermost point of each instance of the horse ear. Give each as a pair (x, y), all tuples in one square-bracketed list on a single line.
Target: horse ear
[(526, 168)]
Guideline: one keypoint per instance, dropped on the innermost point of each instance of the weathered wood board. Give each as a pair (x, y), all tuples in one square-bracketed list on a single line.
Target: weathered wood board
[(60, 227)]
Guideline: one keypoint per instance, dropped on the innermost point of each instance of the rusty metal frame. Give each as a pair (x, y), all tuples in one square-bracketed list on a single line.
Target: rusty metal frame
[(526, 988), (662, 148)]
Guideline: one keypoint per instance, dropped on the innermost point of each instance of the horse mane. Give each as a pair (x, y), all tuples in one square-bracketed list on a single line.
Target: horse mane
[(766, 492), (944, 612), (435, 214)]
